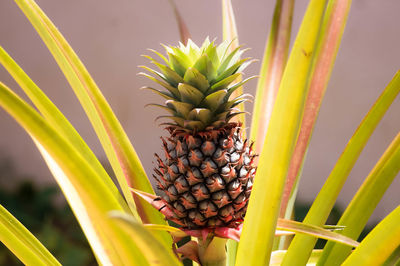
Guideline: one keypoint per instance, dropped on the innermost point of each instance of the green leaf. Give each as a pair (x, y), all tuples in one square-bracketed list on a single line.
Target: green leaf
[(159, 55), (200, 114), (231, 248), (84, 189), (229, 59), (361, 207), (170, 110), (229, 29), (176, 64), (230, 36), (323, 204), (271, 71), (123, 158), (196, 79), (206, 68), (160, 227), (54, 116), (173, 90), (316, 231), (170, 75), (277, 257), (163, 94), (231, 70), (152, 249), (22, 243), (194, 125), (180, 107), (211, 52), (214, 100), (379, 244), (178, 120), (190, 94), (258, 233), (223, 84), (326, 50)]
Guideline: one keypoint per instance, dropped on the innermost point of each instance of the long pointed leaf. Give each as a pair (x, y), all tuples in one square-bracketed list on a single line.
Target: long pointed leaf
[(154, 251), (83, 186), (256, 242), (359, 210), (277, 257), (119, 150), (57, 119), (183, 29), (22, 243), (319, 232), (379, 244), (327, 47), (272, 67), (230, 34), (301, 246)]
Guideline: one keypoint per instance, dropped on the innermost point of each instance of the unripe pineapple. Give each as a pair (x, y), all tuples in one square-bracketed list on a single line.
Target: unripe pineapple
[(208, 171)]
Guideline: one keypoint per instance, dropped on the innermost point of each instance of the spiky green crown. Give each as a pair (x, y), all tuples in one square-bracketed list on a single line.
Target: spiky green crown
[(199, 82)]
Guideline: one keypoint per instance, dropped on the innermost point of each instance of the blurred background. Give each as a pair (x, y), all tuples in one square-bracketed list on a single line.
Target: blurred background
[(111, 36)]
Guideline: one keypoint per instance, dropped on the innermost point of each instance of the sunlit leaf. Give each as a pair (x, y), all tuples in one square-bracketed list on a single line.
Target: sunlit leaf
[(256, 242), (152, 249), (328, 43), (22, 243), (379, 244), (361, 207), (271, 71), (302, 245), (316, 231), (90, 199), (54, 116), (230, 35), (277, 257), (119, 150)]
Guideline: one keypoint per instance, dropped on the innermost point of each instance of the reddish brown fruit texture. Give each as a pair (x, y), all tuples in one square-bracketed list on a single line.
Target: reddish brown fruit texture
[(206, 177)]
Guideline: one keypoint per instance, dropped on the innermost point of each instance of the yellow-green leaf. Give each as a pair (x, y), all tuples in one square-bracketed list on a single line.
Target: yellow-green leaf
[(90, 198), (152, 249), (119, 150), (302, 245), (22, 243), (258, 234), (379, 244)]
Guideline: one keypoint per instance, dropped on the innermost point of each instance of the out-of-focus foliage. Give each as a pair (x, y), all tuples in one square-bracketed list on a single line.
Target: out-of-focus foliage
[(43, 210)]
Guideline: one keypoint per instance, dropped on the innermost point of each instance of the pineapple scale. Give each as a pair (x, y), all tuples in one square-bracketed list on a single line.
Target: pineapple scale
[(206, 178)]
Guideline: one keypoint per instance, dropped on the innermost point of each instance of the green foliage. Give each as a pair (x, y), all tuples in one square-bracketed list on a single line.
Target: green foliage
[(291, 89), (45, 214)]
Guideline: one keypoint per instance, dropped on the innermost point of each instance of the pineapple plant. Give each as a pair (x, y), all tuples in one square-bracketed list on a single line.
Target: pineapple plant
[(208, 170), (208, 167)]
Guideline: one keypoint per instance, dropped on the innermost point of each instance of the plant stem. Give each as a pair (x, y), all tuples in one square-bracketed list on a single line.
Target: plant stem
[(212, 251)]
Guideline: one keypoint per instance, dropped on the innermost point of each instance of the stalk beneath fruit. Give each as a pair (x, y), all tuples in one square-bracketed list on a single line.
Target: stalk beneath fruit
[(212, 251)]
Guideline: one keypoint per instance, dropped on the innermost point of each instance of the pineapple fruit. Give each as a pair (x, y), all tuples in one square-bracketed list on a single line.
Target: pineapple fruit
[(207, 173)]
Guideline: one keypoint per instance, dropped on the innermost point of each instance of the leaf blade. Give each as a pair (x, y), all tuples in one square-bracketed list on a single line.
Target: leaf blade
[(379, 244), (327, 196), (357, 213), (258, 234), (119, 150), (84, 185), (22, 243)]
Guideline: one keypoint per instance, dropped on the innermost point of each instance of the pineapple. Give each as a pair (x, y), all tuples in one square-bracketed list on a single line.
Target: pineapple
[(207, 174)]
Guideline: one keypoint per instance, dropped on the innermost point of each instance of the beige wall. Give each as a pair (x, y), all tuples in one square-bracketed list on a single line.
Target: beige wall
[(111, 37)]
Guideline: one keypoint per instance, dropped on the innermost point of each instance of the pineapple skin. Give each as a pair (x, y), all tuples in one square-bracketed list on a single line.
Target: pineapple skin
[(207, 177)]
